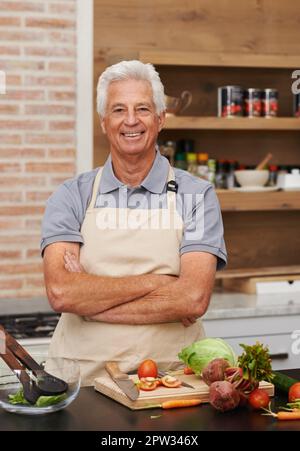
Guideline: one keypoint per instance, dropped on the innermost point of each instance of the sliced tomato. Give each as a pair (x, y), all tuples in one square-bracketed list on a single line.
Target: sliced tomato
[(148, 383), (170, 381)]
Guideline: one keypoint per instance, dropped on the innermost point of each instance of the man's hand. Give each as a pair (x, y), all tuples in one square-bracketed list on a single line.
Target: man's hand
[(72, 263), (189, 321)]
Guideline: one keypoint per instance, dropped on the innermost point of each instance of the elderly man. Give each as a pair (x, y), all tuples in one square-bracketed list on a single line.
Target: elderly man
[(130, 249)]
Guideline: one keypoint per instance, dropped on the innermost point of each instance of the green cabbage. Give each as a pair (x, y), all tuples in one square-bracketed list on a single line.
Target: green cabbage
[(198, 355)]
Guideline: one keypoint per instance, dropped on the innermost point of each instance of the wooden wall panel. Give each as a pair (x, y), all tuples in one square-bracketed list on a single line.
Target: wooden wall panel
[(122, 29), (258, 239)]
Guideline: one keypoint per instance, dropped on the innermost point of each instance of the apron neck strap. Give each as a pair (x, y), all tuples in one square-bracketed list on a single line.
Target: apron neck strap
[(171, 188), (95, 189)]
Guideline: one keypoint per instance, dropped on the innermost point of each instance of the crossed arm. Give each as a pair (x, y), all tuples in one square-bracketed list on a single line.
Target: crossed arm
[(144, 299)]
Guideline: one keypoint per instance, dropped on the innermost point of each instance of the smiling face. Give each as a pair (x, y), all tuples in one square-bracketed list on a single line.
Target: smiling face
[(131, 122)]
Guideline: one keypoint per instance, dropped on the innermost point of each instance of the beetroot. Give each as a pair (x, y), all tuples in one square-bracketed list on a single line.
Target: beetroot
[(223, 396), (214, 371)]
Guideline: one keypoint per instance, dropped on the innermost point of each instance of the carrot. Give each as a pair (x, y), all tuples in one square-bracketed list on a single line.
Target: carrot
[(180, 403), (175, 403), (294, 415), (291, 414), (188, 370)]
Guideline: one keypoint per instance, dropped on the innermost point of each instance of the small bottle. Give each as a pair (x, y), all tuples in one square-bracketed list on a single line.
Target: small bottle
[(180, 161), (202, 165), (230, 179), (221, 175), (168, 151), (192, 166), (272, 175), (211, 171)]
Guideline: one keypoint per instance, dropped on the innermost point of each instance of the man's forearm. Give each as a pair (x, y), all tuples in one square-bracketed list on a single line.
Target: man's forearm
[(88, 294), (166, 304)]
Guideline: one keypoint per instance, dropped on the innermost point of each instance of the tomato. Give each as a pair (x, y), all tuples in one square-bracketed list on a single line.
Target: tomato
[(188, 370), (258, 398), (148, 383), (147, 368), (170, 381), (294, 392)]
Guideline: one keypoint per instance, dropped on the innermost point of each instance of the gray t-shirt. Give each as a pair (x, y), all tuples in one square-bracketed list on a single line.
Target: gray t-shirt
[(196, 203)]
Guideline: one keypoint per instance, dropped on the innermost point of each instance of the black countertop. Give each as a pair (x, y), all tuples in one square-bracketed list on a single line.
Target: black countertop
[(92, 411)]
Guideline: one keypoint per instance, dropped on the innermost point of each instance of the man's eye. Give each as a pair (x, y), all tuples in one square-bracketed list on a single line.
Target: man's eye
[(118, 110)]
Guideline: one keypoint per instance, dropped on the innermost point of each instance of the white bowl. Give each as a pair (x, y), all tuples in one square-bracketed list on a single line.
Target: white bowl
[(252, 177)]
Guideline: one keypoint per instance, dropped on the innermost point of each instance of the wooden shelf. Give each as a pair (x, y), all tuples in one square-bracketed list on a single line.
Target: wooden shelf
[(239, 123), (254, 272), (258, 201), (172, 58)]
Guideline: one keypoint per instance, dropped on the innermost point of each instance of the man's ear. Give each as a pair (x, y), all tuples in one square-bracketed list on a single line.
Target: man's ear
[(161, 120), (102, 123)]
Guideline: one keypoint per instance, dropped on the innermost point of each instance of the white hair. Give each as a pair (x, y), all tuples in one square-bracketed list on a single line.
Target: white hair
[(126, 70)]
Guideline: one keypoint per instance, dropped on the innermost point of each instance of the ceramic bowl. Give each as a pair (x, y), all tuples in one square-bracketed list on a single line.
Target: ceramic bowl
[(252, 177)]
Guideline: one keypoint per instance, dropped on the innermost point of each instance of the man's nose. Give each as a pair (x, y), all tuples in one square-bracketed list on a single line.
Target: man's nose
[(131, 117)]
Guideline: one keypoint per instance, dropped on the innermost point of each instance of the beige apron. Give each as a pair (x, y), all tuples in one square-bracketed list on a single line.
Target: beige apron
[(119, 242)]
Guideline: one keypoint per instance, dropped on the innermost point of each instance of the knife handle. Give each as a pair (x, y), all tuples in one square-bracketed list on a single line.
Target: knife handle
[(114, 371)]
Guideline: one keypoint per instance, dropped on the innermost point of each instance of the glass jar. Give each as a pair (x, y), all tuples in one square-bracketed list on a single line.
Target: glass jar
[(273, 169), (221, 175), (180, 161), (192, 166), (211, 176), (202, 169)]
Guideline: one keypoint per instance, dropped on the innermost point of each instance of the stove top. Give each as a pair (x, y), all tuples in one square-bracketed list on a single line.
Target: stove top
[(28, 325)]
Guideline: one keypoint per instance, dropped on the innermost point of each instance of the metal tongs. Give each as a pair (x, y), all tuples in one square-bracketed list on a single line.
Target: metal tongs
[(36, 382)]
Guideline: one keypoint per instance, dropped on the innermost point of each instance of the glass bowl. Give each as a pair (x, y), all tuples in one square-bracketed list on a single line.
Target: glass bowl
[(64, 368)]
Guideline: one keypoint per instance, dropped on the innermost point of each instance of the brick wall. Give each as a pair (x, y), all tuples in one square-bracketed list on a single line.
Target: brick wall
[(37, 130)]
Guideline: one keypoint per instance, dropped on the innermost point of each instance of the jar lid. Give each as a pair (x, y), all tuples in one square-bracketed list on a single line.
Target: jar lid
[(180, 156), (202, 156), (191, 157)]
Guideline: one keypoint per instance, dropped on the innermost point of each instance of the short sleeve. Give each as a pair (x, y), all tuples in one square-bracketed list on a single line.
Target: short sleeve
[(203, 226), (62, 218)]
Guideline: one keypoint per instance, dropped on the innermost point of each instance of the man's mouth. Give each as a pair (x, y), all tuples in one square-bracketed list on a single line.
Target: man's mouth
[(132, 134)]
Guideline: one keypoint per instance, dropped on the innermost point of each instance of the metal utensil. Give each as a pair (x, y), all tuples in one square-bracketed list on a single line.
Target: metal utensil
[(47, 383), (30, 389), (18, 360), (122, 380), (184, 384)]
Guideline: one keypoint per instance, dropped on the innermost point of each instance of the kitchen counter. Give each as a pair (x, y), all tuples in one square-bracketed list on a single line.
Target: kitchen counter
[(225, 305), (92, 411)]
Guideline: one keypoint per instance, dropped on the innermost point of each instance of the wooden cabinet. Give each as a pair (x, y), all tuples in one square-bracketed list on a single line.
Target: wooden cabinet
[(262, 228)]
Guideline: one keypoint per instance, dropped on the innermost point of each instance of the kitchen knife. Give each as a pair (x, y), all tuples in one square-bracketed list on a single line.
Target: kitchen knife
[(122, 380), (184, 384)]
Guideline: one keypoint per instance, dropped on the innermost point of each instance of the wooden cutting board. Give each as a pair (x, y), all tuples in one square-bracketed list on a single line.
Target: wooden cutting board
[(108, 387)]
